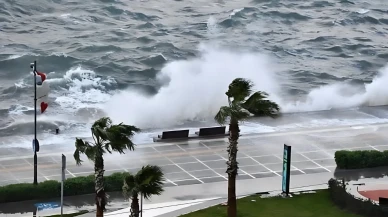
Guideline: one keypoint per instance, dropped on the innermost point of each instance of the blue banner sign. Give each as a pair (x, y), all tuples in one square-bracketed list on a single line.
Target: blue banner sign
[(49, 205), (286, 169)]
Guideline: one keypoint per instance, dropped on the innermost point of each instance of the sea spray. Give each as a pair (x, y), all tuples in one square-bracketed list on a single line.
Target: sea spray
[(344, 95), (195, 89)]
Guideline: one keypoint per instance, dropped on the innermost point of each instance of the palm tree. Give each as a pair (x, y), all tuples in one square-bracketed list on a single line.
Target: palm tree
[(242, 104), (107, 138), (148, 181)]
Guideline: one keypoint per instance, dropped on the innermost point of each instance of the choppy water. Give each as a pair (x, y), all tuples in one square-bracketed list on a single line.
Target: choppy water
[(158, 64)]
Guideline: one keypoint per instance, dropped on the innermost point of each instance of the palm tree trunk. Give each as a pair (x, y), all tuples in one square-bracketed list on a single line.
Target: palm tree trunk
[(135, 210), (232, 166), (99, 185)]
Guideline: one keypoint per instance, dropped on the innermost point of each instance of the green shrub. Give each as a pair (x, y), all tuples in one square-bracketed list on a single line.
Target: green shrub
[(71, 214), (79, 185), (52, 189), (114, 182), (344, 200), (361, 159), (27, 191)]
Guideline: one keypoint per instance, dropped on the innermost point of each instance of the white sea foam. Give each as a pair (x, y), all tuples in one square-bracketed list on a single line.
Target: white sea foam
[(363, 11), (14, 57), (196, 90), (85, 89), (65, 15), (19, 109), (212, 26), (342, 95), (235, 11)]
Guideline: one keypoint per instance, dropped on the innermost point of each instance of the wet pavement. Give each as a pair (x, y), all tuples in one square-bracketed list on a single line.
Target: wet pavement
[(204, 161), (197, 162)]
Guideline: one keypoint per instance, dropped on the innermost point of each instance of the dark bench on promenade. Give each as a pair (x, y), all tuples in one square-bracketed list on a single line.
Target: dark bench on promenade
[(173, 134), (383, 201), (168, 136), (212, 131)]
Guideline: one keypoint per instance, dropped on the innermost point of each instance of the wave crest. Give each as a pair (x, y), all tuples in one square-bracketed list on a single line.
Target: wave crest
[(194, 89)]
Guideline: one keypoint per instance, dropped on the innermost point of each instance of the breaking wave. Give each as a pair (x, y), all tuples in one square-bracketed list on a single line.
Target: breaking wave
[(195, 89)]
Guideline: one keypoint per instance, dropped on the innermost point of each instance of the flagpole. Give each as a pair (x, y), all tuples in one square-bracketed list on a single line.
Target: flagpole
[(35, 140)]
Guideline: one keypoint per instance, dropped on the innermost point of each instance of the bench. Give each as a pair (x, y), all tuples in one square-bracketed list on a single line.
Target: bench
[(168, 136), (212, 131), (174, 134), (383, 201)]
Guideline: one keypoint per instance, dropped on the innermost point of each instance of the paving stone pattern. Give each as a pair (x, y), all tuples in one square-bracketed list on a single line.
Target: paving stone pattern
[(196, 162)]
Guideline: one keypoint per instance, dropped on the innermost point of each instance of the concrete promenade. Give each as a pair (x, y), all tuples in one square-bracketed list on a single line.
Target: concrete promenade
[(203, 161), (198, 162), (196, 169)]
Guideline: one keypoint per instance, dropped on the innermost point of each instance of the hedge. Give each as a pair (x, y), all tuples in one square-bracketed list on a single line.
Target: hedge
[(71, 214), (361, 159), (52, 189), (344, 200)]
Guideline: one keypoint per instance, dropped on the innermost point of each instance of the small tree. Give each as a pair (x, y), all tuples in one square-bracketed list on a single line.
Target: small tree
[(107, 138), (148, 181), (241, 105)]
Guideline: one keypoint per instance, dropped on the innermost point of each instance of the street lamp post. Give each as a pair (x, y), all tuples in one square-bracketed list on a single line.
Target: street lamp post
[(35, 142)]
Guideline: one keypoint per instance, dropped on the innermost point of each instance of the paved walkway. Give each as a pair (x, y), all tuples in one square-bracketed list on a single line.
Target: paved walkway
[(198, 162), (203, 161), (196, 169)]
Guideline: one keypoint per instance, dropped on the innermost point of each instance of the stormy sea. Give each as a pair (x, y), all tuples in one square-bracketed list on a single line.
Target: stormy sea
[(167, 64)]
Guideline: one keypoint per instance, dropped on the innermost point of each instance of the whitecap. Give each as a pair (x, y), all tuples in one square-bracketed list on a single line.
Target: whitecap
[(16, 56), (363, 11), (235, 11)]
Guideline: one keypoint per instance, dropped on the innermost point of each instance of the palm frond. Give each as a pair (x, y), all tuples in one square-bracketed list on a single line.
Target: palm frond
[(99, 130), (149, 171), (102, 123), (239, 89), (77, 157), (90, 152), (107, 147), (120, 137), (130, 186), (150, 179), (259, 95), (107, 138), (223, 114), (238, 112), (241, 114), (82, 147), (259, 105), (130, 145), (129, 130), (100, 134)]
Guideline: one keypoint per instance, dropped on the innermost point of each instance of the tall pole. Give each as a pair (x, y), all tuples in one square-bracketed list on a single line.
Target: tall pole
[(141, 202), (62, 195), (35, 140), (63, 180)]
